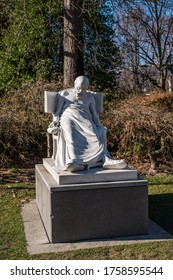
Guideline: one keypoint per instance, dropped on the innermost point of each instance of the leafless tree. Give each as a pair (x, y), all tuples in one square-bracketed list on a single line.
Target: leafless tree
[(146, 36)]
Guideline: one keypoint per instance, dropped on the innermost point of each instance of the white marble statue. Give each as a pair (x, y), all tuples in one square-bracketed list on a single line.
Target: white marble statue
[(81, 138)]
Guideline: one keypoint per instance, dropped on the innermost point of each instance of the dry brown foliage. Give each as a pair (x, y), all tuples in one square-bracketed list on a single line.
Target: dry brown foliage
[(23, 124), (141, 127)]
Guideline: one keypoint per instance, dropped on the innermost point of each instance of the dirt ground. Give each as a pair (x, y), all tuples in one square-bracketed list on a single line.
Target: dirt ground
[(27, 175), (23, 175)]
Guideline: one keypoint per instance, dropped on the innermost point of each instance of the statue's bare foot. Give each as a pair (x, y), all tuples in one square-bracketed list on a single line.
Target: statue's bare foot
[(114, 164), (74, 167)]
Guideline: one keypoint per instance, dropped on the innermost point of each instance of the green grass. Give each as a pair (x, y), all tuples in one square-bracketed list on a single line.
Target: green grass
[(160, 180), (13, 243), (13, 170)]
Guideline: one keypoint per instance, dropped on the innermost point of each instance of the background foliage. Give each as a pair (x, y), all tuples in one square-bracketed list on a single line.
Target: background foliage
[(101, 54), (32, 43), (23, 124), (31, 61), (135, 125), (142, 128)]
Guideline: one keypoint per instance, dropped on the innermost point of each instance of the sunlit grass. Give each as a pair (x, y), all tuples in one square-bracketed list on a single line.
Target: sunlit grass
[(13, 243)]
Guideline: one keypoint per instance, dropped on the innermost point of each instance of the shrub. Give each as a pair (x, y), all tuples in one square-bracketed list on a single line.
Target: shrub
[(23, 124), (141, 126)]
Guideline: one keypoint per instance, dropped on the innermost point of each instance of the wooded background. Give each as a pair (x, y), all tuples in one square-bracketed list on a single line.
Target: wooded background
[(107, 40), (124, 47)]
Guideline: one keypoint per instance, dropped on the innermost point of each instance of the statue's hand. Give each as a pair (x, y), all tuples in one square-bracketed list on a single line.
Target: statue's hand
[(54, 127), (55, 124), (55, 119)]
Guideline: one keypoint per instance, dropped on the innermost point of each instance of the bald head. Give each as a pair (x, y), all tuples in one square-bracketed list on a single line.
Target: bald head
[(81, 82)]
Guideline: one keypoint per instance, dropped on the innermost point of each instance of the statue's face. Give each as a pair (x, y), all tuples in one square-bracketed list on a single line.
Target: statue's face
[(80, 90)]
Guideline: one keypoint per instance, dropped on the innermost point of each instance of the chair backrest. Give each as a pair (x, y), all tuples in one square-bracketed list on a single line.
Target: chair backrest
[(50, 101)]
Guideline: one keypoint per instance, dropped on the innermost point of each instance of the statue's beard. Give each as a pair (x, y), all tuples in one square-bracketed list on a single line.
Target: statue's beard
[(77, 96)]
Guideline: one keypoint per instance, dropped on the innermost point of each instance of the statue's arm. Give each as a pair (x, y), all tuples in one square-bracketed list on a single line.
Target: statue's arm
[(93, 111)]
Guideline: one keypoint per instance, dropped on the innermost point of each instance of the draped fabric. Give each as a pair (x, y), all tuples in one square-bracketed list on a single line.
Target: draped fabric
[(80, 140)]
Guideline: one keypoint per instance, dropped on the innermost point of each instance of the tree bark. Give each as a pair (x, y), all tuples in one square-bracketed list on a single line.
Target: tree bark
[(163, 79), (154, 155), (73, 41)]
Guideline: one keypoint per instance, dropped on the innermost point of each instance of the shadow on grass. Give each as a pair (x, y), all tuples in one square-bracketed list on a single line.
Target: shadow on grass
[(161, 210)]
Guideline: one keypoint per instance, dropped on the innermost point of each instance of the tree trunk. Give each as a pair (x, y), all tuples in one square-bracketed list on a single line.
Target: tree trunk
[(154, 155), (163, 80), (73, 41)]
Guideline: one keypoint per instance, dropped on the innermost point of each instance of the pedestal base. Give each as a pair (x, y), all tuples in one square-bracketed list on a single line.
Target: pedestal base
[(91, 210), (93, 175)]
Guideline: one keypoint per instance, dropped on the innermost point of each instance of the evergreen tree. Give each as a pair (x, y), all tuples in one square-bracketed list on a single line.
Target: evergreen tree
[(5, 10), (101, 58), (32, 46)]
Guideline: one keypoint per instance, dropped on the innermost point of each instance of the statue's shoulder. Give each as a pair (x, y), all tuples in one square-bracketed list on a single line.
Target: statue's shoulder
[(66, 92), (89, 94), (97, 98)]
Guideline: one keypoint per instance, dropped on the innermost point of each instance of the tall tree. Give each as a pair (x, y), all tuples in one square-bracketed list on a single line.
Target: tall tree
[(101, 54), (32, 45), (73, 40), (154, 21), (5, 11)]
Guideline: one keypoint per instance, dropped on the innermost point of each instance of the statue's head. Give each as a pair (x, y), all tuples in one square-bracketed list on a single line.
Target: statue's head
[(81, 82)]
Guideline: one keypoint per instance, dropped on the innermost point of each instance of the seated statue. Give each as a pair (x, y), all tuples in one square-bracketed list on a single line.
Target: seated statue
[(81, 138)]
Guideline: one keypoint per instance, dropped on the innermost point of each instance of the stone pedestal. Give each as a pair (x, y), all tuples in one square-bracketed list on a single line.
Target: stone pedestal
[(93, 175), (91, 210)]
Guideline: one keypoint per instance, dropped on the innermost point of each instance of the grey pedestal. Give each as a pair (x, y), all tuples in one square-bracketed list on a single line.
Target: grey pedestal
[(91, 210)]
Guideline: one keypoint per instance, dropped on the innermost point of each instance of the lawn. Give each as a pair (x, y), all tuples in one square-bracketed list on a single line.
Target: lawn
[(13, 243)]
